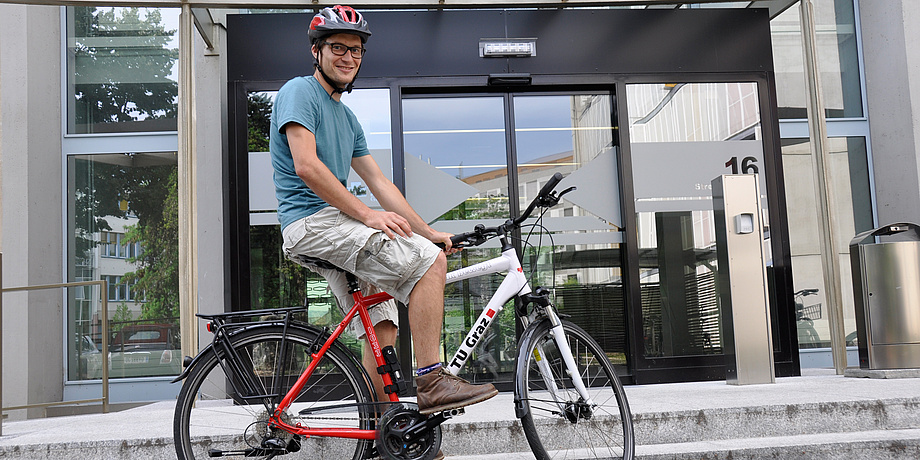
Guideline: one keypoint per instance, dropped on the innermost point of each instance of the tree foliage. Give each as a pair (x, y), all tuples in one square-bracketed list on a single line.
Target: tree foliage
[(157, 275), (260, 110), (141, 187)]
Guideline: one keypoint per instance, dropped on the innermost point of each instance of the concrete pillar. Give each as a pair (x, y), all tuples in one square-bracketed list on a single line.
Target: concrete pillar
[(31, 202), (210, 146), (891, 47)]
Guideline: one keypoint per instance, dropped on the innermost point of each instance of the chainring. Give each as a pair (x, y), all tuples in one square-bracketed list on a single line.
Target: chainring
[(392, 432)]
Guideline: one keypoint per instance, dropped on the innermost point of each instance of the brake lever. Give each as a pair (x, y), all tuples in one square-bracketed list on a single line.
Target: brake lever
[(553, 198)]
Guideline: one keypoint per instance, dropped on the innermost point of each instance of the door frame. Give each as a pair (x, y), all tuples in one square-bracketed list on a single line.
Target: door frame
[(693, 46)]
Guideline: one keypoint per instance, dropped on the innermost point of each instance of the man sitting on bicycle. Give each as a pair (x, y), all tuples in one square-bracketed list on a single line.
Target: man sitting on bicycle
[(315, 139)]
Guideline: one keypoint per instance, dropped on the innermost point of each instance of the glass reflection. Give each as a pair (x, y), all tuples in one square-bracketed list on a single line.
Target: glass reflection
[(678, 134), (573, 135), (456, 145), (849, 168), (457, 176), (838, 60), (123, 73), (123, 229)]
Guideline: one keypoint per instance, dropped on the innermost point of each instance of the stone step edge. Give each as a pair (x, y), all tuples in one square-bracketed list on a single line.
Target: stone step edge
[(881, 444), (776, 420)]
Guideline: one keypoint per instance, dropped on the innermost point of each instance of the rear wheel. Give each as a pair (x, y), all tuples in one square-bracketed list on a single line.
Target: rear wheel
[(212, 414), (558, 421)]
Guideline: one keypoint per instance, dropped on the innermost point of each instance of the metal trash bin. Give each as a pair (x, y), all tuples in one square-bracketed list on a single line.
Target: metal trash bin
[(886, 287)]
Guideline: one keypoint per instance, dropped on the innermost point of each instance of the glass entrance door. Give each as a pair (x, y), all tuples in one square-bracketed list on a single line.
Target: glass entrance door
[(474, 159), (681, 137)]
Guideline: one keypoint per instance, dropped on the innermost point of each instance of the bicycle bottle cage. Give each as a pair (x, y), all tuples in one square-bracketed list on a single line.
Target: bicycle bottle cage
[(392, 367)]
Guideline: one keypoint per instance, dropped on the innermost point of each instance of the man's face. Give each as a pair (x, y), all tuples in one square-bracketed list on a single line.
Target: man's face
[(341, 69)]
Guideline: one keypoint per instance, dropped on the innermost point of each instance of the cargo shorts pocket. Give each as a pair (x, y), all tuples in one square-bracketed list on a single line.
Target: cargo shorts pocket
[(387, 262)]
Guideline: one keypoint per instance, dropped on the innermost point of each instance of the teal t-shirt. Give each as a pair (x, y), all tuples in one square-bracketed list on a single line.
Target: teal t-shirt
[(339, 138)]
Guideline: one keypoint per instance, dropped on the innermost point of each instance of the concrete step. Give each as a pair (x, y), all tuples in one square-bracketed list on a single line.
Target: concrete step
[(802, 417), (875, 445), (780, 420), (854, 429)]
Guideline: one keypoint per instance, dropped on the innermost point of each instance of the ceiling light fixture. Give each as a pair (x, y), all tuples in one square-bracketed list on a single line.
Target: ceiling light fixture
[(507, 47)]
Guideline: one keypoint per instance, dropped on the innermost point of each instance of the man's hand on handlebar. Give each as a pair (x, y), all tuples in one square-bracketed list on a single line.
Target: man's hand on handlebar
[(545, 199), (443, 241)]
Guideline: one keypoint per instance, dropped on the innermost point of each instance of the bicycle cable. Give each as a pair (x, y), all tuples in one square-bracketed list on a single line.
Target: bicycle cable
[(525, 242)]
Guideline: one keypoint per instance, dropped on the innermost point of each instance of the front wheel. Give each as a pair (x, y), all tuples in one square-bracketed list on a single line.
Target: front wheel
[(558, 421), (215, 418)]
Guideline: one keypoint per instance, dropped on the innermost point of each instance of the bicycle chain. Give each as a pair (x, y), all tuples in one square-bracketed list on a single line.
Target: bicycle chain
[(328, 418)]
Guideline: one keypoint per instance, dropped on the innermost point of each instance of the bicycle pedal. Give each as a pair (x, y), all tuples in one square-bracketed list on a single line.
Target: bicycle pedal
[(454, 412)]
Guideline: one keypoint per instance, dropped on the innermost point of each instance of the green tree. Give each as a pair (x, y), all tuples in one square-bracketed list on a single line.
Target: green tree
[(122, 316), (145, 188), (260, 110), (157, 275), (122, 68)]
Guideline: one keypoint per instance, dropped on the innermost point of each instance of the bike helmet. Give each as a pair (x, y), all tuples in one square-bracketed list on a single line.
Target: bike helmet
[(338, 20)]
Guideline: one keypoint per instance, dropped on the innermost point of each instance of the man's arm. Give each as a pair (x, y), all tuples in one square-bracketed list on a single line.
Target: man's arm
[(320, 179), (392, 200)]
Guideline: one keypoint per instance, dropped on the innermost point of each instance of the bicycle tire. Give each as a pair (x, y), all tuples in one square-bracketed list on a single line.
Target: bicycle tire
[(564, 427), (210, 414)]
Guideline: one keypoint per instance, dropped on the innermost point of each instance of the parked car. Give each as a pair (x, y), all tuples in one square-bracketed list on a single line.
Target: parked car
[(145, 350)]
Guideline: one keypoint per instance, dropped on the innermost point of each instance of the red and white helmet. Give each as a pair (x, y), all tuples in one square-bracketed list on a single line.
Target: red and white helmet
[(338, 20)]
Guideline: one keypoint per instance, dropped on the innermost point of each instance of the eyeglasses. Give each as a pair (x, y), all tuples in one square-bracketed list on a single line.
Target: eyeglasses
[(339, 49)]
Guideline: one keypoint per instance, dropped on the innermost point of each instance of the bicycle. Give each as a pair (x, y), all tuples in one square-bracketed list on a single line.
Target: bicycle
[(804, 317), (280, 386)]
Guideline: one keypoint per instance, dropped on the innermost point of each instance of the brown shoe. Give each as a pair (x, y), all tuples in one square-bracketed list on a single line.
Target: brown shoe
[(439, 391)]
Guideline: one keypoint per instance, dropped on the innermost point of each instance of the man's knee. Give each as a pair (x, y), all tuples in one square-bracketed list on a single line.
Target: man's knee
[(439, 267)]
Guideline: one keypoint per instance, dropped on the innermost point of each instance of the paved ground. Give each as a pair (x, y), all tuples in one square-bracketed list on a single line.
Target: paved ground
[(152, 424)]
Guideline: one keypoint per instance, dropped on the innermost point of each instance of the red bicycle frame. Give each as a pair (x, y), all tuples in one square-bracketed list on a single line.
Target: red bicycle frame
[(362, 303)]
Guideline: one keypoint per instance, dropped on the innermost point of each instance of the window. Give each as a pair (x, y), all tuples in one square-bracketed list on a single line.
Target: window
[(120, 290), (849, 167), (114, 245), (122, 69), (118, 204), (838, 60)]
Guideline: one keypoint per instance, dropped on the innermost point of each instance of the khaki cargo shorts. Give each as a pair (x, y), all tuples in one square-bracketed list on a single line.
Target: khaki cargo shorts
[(393, 266)]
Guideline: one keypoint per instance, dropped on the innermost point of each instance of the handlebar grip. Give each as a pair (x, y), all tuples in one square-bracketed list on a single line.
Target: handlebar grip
[(456, 241), (550, 184)]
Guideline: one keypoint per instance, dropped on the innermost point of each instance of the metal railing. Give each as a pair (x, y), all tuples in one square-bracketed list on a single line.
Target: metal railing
[(103, 290)]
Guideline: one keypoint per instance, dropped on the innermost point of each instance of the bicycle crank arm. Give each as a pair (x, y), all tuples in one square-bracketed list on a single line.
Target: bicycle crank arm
[(251, 452), (271, 448), (418, 430)]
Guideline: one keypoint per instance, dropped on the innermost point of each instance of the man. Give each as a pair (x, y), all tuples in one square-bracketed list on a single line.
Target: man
[(315, 139)]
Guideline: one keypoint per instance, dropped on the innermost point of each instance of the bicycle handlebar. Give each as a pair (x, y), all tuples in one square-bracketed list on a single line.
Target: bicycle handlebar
[(481, 234)]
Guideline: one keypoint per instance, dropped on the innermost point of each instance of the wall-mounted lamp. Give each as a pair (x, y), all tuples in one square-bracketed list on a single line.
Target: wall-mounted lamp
[(507, 47)]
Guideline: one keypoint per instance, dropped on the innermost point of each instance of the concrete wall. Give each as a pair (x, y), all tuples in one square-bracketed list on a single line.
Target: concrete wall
[(32, 239), (891, 46)]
